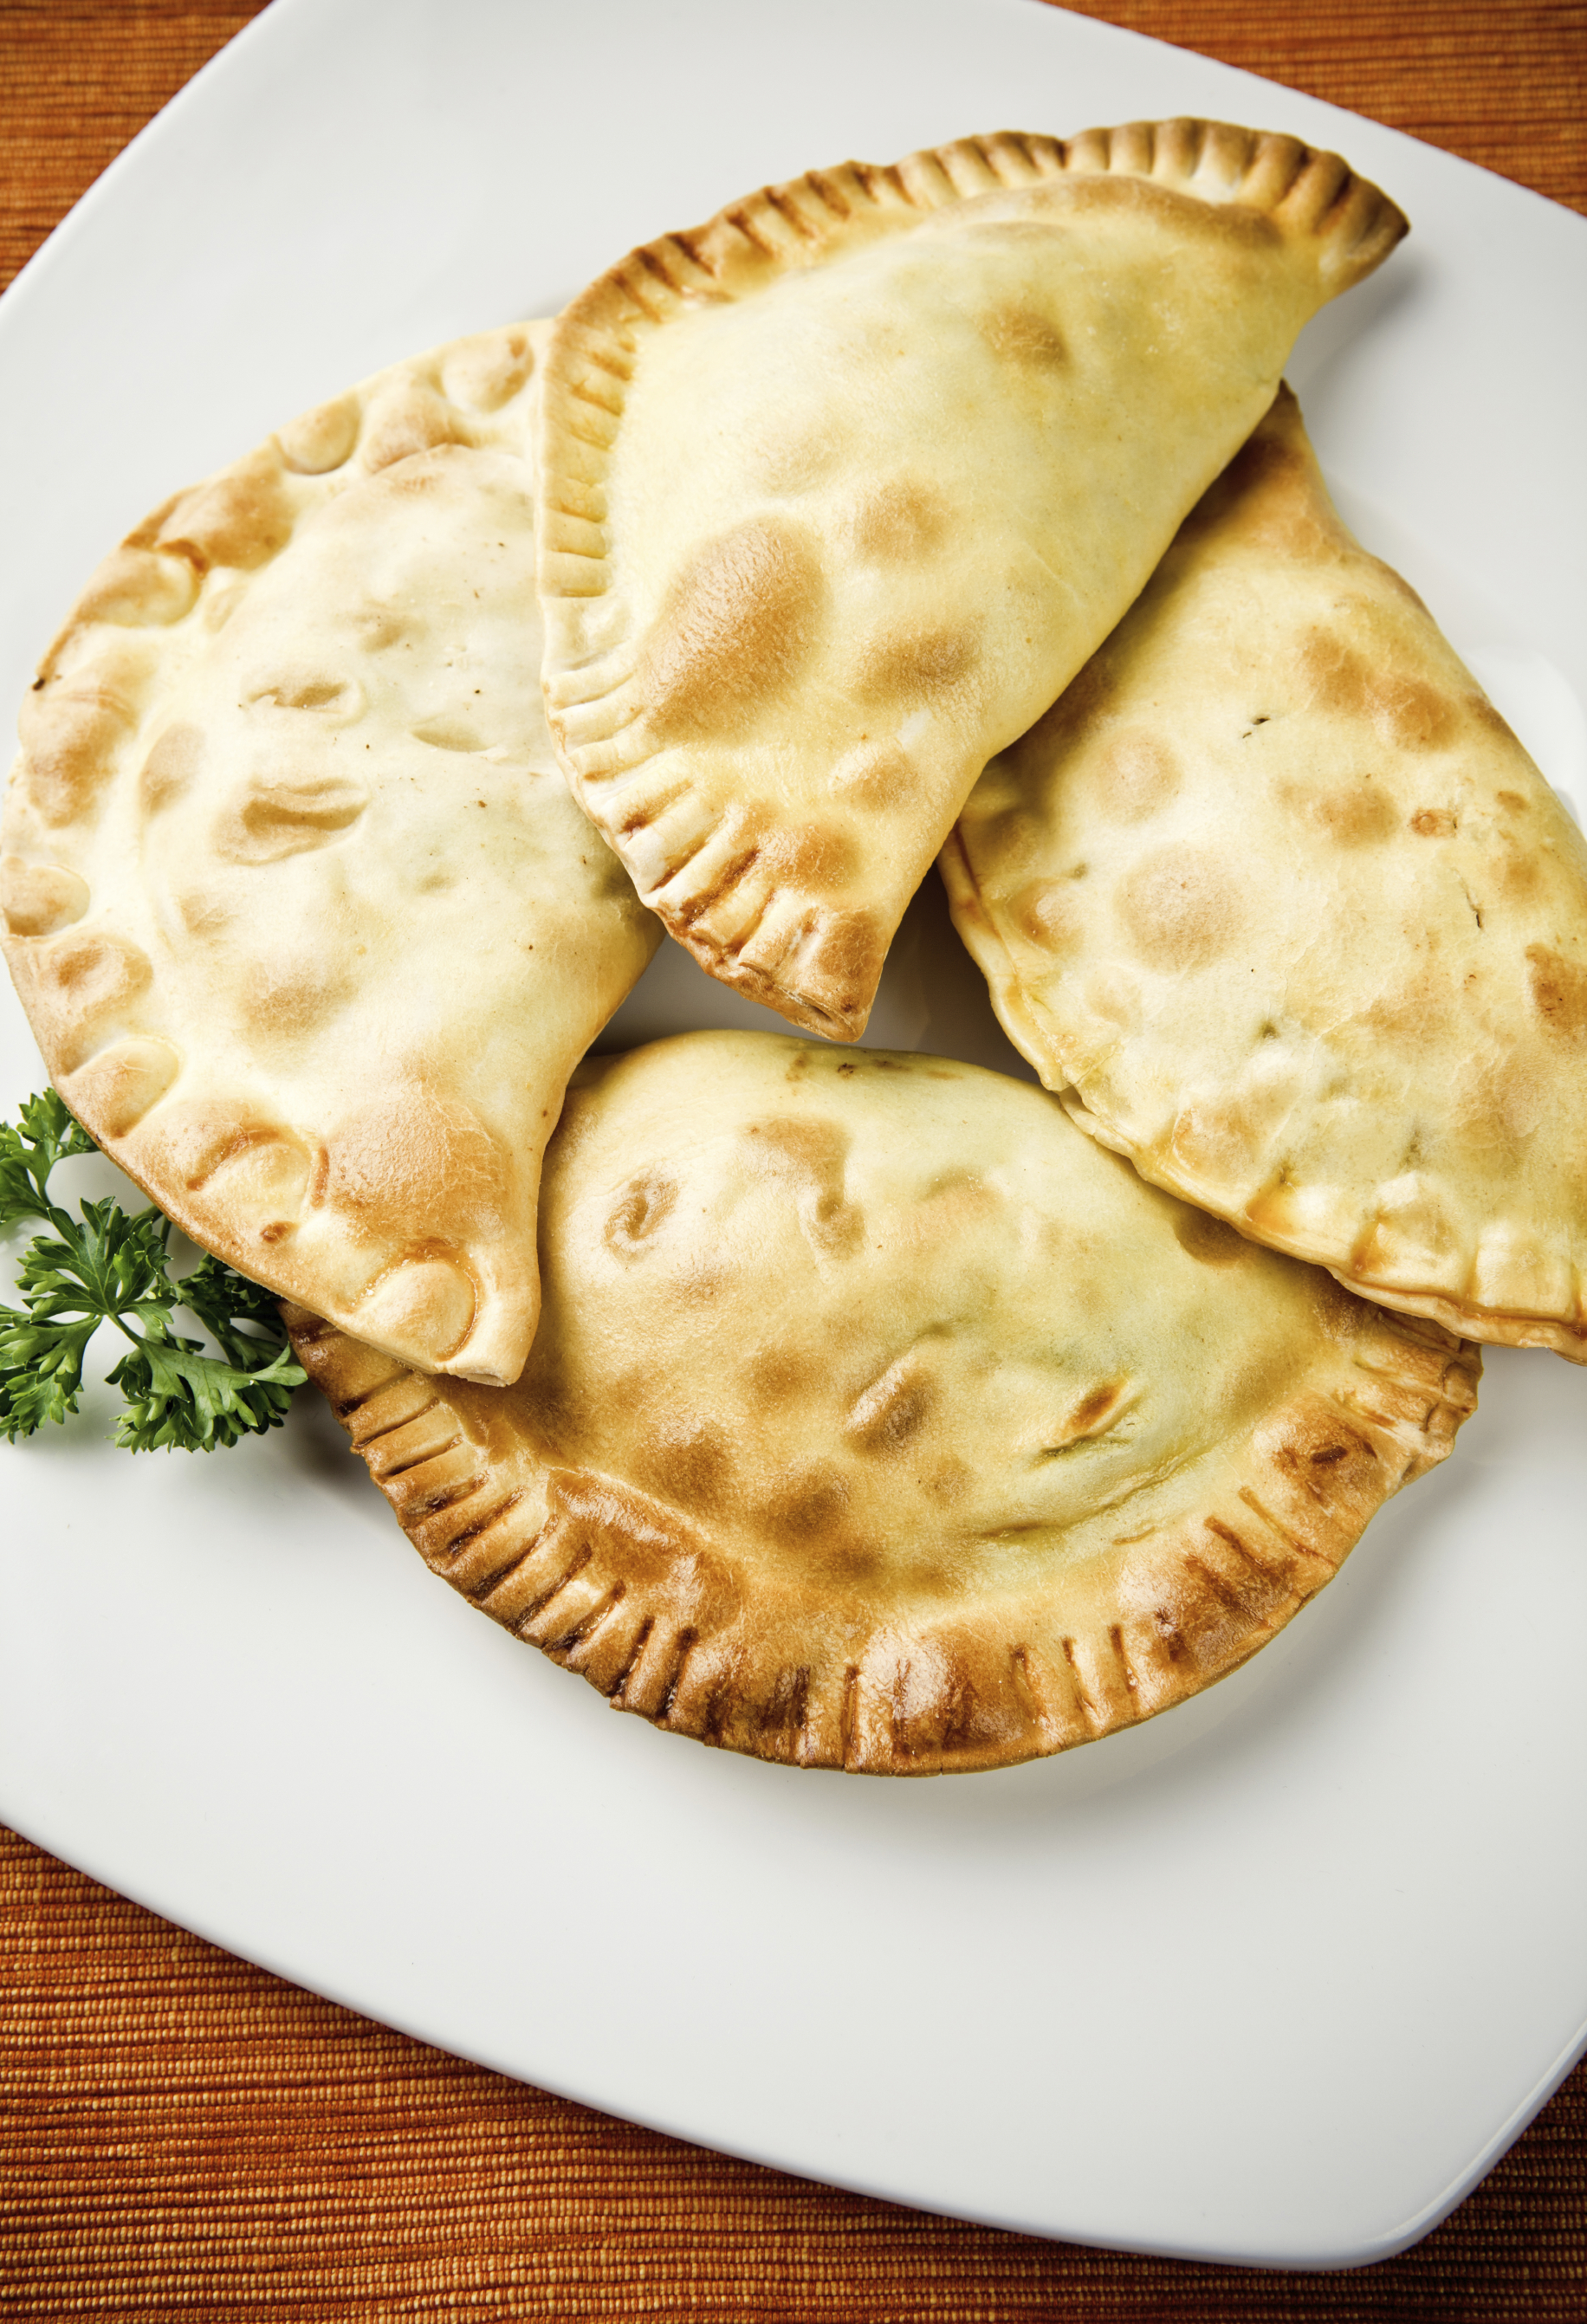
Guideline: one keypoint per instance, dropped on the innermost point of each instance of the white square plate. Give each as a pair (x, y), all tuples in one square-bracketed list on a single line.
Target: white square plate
[(1271, 1978)]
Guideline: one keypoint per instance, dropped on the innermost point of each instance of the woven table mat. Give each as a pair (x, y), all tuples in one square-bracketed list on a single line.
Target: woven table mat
[(182, 2135)]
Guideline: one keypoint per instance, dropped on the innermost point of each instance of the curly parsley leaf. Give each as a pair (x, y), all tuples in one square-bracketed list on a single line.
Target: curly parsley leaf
[(177, 1395), (43, 1134), (109, 1265), (41, 1370)]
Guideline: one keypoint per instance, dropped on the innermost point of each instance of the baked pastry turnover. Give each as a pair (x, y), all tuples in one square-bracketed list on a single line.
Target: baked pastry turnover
[(842, 488), (308, 927), (879, 1420), (1278, 905)]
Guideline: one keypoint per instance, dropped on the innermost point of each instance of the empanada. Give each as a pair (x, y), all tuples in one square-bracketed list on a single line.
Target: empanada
[(1278, 905), (842, 488), (879, 1420), (308, 927)]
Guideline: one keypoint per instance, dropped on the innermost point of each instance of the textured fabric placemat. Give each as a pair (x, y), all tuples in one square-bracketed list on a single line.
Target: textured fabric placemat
[(183, 2137)]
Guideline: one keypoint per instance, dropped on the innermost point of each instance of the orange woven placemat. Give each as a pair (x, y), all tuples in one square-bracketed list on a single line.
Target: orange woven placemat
[(184, 2136)]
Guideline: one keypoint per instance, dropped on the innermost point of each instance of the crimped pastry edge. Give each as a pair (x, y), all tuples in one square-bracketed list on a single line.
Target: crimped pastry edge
[(635, 1597), (807, 220), (1039, 1044), (802, 959), (85, 721)]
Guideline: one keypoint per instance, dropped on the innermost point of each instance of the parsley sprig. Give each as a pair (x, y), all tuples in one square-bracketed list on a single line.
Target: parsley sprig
[(109, 1265)]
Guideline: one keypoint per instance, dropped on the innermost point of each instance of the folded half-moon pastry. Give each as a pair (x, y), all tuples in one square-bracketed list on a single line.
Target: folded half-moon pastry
[(879, 1420), (842, 488), (1278, 905), (306, 925)]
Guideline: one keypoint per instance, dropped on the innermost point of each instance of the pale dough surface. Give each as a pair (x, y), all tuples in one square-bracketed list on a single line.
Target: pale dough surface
[(309, 931), (842, 488), (1278, 903), (878, 1419)]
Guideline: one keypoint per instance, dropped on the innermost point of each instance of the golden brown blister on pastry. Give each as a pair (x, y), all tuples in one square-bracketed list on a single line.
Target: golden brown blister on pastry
[(842, 488), (308, 927), (879, 1420), (1278, 905)]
